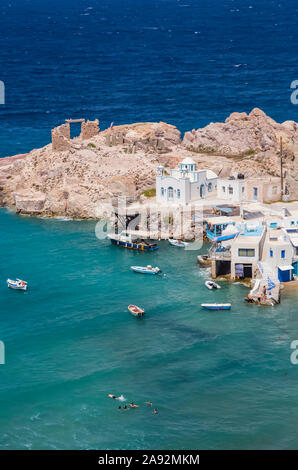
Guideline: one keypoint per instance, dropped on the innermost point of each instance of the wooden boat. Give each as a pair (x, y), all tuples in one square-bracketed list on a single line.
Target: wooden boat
[(18, 284), (136, 311), (204, 261), (145, 269), (180, 243), (125, 240), (216, 306), (212, 285)]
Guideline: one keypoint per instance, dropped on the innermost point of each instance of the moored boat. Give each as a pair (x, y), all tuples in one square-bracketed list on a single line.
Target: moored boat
[(175, 242), (216, 306), (17, 284), (145, 269), (136, 311), (125, 240), (212, 285)]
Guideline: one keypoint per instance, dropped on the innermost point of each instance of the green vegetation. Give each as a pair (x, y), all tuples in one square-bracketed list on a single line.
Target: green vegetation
[(249, 152), (92, 145), (150, 192)]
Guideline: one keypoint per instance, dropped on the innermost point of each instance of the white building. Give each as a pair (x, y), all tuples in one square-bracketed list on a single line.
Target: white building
[(246, 250), (185, 184), (232, 189)]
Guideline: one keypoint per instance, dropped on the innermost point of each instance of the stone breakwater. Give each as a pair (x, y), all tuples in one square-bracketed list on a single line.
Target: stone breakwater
[(78, 177)]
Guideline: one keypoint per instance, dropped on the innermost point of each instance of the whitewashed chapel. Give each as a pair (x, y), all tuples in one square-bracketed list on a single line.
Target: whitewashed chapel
[(185, 184)]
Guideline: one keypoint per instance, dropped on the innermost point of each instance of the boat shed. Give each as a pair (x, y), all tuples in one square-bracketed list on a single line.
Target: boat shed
[(285, 273), (215, 225)]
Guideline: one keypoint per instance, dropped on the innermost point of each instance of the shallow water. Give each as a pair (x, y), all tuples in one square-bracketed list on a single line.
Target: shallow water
[(218, 379)]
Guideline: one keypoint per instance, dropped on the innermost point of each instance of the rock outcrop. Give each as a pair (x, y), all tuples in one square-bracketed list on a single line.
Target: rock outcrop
[(79, 177), (243, 134)]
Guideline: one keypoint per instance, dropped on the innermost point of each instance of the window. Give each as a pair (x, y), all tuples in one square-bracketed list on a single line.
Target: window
[(223, 189), (283, 254), (292, 222), (209, 187), (178, 193), (170, 192), (271, 253), (246, 252), (230, 190), (162, 191), (243, 189)]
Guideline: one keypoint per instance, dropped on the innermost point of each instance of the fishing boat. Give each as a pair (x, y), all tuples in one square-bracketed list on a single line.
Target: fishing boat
[(136, 311), (126, 240), (175, 242), (216, 306), (212, 285), (145, 269), (17, 284)]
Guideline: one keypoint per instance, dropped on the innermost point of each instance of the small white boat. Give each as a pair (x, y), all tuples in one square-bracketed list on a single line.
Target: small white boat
[(175, 242), (136, 311), (212, 285), (216, 306), (18, 284), (145, 269)]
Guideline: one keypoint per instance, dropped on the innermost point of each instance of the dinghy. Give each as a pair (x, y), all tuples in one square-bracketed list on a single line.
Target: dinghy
[(136, 311), (212, 285), (216, 306), (18, 284), (180, 243), (145, 269)]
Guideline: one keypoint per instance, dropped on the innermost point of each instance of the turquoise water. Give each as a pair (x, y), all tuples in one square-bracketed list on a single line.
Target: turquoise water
[(218, 379)]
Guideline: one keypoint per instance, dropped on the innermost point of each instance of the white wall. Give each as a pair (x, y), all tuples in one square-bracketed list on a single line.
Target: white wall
[(238, 187)]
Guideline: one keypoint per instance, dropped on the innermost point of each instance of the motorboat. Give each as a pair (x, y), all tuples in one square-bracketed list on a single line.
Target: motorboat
[(180, 243), (216, 306), (136, 311), (212, 285), (17, 284), (126, 240), (145, 269)]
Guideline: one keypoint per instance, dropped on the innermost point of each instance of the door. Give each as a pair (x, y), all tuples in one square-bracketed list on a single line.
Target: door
[(255, 194), (202, 191)]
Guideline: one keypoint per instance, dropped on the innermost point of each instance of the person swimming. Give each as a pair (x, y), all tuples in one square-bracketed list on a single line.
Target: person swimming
[(132, 405), (112, 396), (149, 403), (155, 411)]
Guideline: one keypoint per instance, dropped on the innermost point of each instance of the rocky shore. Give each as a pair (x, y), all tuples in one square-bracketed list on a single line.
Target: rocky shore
[(77, 177)]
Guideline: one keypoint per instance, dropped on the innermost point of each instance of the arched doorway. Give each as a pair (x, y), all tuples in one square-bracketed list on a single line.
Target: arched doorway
[(202, 190)]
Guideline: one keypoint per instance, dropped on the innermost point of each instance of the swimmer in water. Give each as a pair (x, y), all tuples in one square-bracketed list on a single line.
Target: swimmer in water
[(132, 405), (112, 396), (119, 408), (155, 411), (149, 403), (125, 407)]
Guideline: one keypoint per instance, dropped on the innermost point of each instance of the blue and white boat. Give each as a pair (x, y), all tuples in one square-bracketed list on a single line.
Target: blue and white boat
[(179, 243), (145, 269), (216, 306), (17, 284), (126, 240)]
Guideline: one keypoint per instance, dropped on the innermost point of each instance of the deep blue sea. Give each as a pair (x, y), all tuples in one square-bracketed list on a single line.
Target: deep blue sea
[(219, 380), (186, 62)]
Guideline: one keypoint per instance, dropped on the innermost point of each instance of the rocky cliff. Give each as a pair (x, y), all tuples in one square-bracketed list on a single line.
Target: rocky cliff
[(78, 180)]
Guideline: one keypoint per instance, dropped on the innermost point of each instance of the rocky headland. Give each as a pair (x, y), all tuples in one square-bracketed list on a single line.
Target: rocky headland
[(77, 177)]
